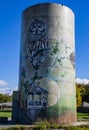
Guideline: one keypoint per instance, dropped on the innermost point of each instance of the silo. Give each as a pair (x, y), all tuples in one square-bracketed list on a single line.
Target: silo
[(47, 64)]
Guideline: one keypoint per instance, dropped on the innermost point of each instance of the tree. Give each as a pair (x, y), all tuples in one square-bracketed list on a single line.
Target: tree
[(80, 89), (5, 98), (86, 94)]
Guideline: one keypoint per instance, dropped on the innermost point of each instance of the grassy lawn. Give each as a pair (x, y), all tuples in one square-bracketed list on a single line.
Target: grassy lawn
[(6, 109), (43, 126), (83, 116), (5, 114)]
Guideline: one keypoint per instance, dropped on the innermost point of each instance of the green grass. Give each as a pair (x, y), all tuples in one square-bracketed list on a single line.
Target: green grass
[(7, 109), (85, 127), (45, 125), (5, 114), (83, 116)]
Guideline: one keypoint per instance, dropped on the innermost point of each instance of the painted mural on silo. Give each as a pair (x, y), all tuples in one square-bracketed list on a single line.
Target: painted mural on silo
[(47, 63)]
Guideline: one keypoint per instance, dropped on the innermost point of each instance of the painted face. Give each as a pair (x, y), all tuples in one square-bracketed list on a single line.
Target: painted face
[(37, 27)]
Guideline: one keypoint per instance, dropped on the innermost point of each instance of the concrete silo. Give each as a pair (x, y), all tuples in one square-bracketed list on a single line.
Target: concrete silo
[(47, 65)]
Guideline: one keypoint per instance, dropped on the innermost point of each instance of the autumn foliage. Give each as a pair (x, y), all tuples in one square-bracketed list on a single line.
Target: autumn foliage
[(82, 94)]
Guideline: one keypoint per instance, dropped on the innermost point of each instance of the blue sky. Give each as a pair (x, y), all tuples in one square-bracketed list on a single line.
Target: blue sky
[(10, 32)]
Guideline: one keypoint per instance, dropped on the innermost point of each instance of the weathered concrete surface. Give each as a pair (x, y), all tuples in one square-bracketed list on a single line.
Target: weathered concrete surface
[(15, 107), (47, 64)]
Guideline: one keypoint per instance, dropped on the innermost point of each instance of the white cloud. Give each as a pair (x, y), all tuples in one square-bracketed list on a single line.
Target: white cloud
[(3, 83), (4, 89), (7, 90), (82, 81), (13, 89)]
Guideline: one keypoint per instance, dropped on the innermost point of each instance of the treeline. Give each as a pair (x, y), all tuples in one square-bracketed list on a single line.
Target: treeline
[(5, 98), (82, 94)]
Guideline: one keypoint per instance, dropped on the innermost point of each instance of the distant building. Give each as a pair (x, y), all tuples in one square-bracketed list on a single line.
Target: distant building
[(85, 104), (5, 105)]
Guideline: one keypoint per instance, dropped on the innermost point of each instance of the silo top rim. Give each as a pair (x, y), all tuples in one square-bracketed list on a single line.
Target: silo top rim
[(61, 5)]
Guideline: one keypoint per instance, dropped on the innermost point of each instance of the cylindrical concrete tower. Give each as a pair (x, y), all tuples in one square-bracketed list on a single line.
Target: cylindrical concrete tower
[(47, 64)]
